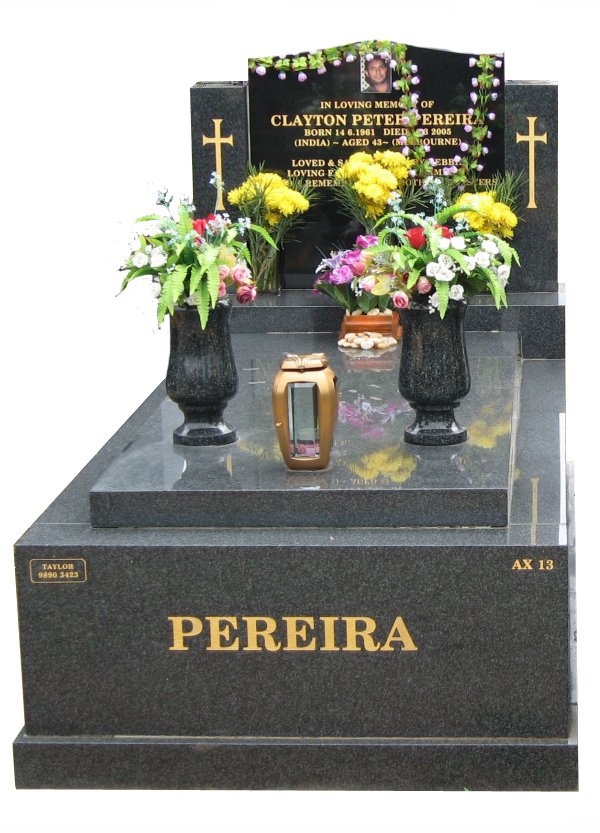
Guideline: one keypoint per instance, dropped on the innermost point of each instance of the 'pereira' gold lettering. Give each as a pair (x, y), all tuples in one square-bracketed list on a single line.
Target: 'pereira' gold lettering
[(352, 634)]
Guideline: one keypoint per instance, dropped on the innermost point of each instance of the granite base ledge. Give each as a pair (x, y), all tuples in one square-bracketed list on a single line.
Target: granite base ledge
[(290, 764)]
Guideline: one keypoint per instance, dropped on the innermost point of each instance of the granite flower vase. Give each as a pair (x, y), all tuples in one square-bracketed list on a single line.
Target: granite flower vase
[(434, 372), (201, 375)]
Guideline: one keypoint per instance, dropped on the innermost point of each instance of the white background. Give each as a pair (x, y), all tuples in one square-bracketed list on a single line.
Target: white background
[(94, 103)]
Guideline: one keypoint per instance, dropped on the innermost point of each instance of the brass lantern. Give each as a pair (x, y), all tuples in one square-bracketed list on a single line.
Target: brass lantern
[(305, 404)]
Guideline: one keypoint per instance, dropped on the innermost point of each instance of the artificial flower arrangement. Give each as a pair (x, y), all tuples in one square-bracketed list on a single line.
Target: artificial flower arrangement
[(458, 251), (192, 262), (277, 204), (365, 183)]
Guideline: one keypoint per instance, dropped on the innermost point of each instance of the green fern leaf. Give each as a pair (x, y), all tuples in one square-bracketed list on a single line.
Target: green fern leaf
[(203, 301), (443, 291)]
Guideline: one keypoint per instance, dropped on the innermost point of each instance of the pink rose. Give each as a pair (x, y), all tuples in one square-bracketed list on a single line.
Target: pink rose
[(246, 293), (224, 272), (367, 283), (400, 300), (241, 275), (222, 289), (423, 286)]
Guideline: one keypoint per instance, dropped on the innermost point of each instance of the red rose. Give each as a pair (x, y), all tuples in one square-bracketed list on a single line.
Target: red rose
[(200, 225), (416, 237), (445, 232)]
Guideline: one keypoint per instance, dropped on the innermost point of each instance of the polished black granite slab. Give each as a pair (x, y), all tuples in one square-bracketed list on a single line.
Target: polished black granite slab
[(299, 763), (374, 478), (469, 602), (538, 318)]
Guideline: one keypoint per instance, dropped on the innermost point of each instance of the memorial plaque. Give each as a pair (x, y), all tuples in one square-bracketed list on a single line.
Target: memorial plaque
[(304, 129)]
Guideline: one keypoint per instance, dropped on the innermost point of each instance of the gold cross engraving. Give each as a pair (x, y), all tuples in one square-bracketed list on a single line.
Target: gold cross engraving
[(531, 138), (217, 141)]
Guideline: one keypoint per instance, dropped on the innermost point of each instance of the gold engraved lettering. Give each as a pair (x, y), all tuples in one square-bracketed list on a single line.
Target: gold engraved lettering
[(531, 139), (399, 633), (217, 140), (179, 634), (329, 633), (218, 633), (265, 633), (354, 633), (296, 629)]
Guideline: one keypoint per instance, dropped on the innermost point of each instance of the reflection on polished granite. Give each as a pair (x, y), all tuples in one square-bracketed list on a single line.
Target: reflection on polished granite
[(374, 479)]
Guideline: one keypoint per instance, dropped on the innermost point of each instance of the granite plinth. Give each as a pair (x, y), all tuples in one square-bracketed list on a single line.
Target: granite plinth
[(374, 479), (269, 763), (537, 317), (491, 627)]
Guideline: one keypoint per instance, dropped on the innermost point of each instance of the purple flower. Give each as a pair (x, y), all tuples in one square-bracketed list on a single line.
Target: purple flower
[(302, 76), (473, 97), (468, 128), (497, 64), (261, 70), (464, 146), (416, 80), (457, 159), (350, 58), (494, 96), (489, 134), (282, 76), (474, 82), (321, 71), (412, 172), (479, 167), (470, 111), (342, 275), (337, 62), (405, 151), (369, 56), (365, 240), (496, 82), (405, 121), (485, 150), (414, 68), (427, 148), (336, 259), (393, 64), (491, 116), (432, 161), (402, 139)]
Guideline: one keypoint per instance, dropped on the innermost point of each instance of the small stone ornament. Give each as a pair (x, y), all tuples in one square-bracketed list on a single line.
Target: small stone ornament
[(305, 405), (367, 340)]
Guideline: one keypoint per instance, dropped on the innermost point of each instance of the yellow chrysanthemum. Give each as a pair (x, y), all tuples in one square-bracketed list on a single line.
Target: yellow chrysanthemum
[(286, 201), (489, 217), (397, 163), (255, 186)]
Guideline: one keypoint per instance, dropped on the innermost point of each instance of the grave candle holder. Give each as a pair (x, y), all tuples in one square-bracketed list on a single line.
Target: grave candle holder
[(305, 405)]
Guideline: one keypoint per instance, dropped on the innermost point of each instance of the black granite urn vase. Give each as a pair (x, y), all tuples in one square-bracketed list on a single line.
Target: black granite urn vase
[(434, 372), (201, 376)]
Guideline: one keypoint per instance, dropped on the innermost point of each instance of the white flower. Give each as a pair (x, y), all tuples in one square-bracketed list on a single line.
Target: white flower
[(432, 269), (136, 245), (490, 247), (445, 275), (456, 292), (158, 257), (458, 243), (482, 259), (503, 273), (445, 261), (444, 244), (139, 259), (470, 263), (149, 228), (434, 302)]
